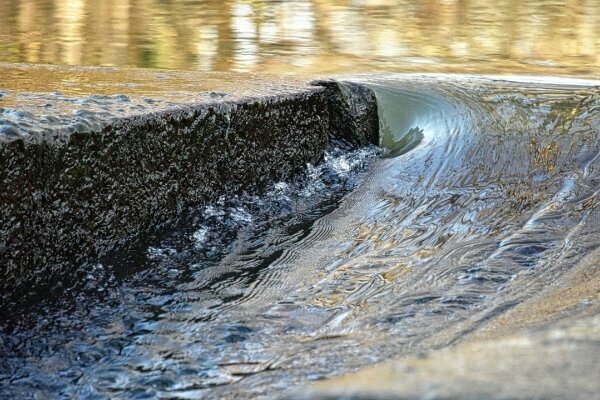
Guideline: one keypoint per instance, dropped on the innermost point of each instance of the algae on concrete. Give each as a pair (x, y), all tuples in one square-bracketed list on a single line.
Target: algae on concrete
[(89, 170)]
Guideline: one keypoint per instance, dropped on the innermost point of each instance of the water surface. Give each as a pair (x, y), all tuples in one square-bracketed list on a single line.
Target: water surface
[(487, 192)]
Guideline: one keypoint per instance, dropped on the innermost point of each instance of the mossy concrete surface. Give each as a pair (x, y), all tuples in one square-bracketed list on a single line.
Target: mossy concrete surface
[(83, 174)]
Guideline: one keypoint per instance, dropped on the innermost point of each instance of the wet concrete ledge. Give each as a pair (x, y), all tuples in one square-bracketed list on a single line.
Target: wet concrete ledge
[(78, 183)]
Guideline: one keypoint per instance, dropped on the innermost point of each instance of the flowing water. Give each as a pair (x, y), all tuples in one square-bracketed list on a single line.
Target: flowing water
[(486, 191)]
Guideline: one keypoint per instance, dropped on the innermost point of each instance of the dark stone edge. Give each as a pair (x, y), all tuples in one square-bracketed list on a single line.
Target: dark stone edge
[(67, 203), (353, 115)]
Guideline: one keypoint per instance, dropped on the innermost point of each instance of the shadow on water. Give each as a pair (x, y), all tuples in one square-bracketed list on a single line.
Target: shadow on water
[(488, 194)]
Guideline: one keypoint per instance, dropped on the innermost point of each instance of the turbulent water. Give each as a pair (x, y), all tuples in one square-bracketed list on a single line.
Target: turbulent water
[(487, 192)]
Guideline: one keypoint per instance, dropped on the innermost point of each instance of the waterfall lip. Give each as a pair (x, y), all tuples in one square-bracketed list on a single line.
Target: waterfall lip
[(44, 103)]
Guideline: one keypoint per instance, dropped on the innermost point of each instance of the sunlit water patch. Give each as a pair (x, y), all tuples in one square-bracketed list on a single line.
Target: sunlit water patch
[(488, 193)]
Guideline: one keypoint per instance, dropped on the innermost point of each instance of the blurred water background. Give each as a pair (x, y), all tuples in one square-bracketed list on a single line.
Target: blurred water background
[(307, 36)]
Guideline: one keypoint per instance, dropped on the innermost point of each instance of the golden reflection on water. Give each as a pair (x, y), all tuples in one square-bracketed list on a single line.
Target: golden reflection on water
[(316, 36)]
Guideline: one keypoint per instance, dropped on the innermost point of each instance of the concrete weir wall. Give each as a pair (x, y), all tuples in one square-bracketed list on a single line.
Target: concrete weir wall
[(81, 195)]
